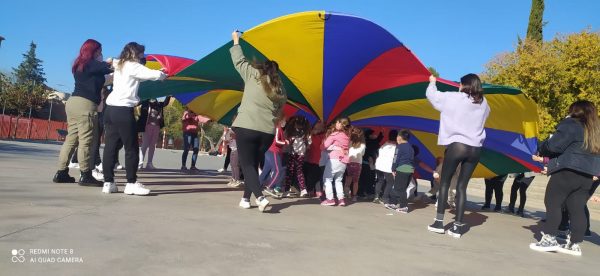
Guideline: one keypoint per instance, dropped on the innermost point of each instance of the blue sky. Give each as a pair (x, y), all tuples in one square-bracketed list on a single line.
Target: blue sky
[(455, 37)]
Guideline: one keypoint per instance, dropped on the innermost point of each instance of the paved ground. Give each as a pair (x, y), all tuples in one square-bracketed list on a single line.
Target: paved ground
[(191, 225)]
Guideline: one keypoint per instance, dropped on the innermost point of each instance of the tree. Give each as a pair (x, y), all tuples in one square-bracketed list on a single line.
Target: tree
[(536, 24), (554, 74), (433, 72), (30, 71), (173, 113)]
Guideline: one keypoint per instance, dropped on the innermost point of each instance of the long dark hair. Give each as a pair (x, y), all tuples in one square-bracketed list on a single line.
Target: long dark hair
[(297, 126), (586, 113), (130, 52), (86, 53), (471, 84), (270, 79)]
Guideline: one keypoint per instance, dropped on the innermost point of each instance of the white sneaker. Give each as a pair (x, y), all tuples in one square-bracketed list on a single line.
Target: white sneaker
[(98, 175), (244, 203), (110, 187), (220, 170), (304, 193), (99, 168), (140, 165), (118, 166), (262, 203), (136, 189), (73, 165), (570, 248)]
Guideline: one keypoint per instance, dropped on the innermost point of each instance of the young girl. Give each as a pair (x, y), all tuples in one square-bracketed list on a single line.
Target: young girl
[(462, 120), (337, 144), (356, 152), (189, 125), (312, 172), (298, 133), (273, 171), (235, 165), (402, 170), (119, 120), (383, 166)]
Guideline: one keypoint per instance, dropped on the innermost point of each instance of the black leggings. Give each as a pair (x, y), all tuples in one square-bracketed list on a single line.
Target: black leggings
[(398, 193), (564, 224), (227, 158), (120, 126), (571, 189), (366, 183), (455, 154), (520, 184), (494, 185), (312, 174), (252, 146)]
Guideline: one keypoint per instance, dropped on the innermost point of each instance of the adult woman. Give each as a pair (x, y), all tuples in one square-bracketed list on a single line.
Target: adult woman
[(254, 126), (574, 152), (119, 120), (462, 121), (82, 116)]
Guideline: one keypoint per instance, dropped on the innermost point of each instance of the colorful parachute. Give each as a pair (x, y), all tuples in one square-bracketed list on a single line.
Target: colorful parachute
[(339, 65)]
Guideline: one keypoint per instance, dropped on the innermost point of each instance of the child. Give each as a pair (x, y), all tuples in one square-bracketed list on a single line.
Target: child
[(337, 144), (383, 165), (356, 152), (402, 170), (298, 133), (189, 125), (312, 171), (366, 184), (272, 173), (436, 183), (235, 165)]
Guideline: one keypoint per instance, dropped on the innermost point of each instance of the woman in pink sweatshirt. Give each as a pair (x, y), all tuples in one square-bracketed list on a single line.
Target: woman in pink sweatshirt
[(336, 144)]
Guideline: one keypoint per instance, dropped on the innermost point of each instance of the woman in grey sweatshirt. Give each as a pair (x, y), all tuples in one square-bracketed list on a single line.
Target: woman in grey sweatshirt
[(462, 119)]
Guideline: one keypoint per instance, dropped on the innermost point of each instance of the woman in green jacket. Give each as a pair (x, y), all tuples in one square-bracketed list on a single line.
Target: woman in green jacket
[(254, 126)]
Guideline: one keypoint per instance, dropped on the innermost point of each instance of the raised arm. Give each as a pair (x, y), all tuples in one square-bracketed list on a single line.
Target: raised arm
[(433, 95), (239, 60)]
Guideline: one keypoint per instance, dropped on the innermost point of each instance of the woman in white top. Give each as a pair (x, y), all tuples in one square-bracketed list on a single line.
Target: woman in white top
[(119, 120), (462, 119), (355, 153)]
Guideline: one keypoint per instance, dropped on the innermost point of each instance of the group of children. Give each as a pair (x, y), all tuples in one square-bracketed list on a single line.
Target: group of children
[(336, 163)]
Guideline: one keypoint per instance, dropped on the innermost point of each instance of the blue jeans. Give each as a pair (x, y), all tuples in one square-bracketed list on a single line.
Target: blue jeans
[(190, 139)]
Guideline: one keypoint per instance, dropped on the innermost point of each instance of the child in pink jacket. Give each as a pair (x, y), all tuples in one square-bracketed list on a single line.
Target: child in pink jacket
[(336, 144)]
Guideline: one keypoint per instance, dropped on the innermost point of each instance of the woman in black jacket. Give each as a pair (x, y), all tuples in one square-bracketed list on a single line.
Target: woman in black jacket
[(574, 152)]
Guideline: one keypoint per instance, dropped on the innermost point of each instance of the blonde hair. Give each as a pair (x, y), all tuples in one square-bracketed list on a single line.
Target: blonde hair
[(130, 52)]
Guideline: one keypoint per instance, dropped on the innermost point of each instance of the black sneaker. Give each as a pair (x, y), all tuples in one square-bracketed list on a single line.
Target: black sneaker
[(588, 234), (88, 180), (437, 227), (485, 207), (509, 210), (63, 177), (457, 230), (520, 213), (498, 209)]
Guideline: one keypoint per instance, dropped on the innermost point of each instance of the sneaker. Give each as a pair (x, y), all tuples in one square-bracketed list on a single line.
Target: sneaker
[(485, 207), (570, 248), (98, 175), (328, 202), (354, 199), (220, 170), (498, 209), (136, 189), (304, 193), (270, 192), (140, 166), (193, 169), (184, 169), (402, 210), (391, 206), (520, 213), (376, 200), (262, 203), (509, 210), (245, 203), (118, 166), (73, 165), (342, 202), (437, 227), (457, 230), (99, 168), (588, 234), (110, 187), (63, 177), (88, 180), (149, 166), (548, 243)]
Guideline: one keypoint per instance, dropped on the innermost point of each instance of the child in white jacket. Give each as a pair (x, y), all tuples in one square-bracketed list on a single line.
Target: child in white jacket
[(383, 167)]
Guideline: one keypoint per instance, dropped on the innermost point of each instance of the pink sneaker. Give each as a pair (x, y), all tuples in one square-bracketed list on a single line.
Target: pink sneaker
[(342, 202), (328, 202)]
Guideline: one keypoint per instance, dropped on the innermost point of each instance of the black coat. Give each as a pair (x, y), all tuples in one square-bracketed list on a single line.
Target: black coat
[(565, 149), (141, 123)]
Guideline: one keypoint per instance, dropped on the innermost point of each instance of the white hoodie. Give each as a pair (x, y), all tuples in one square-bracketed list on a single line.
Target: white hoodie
[(126, 81), (385, 159)]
